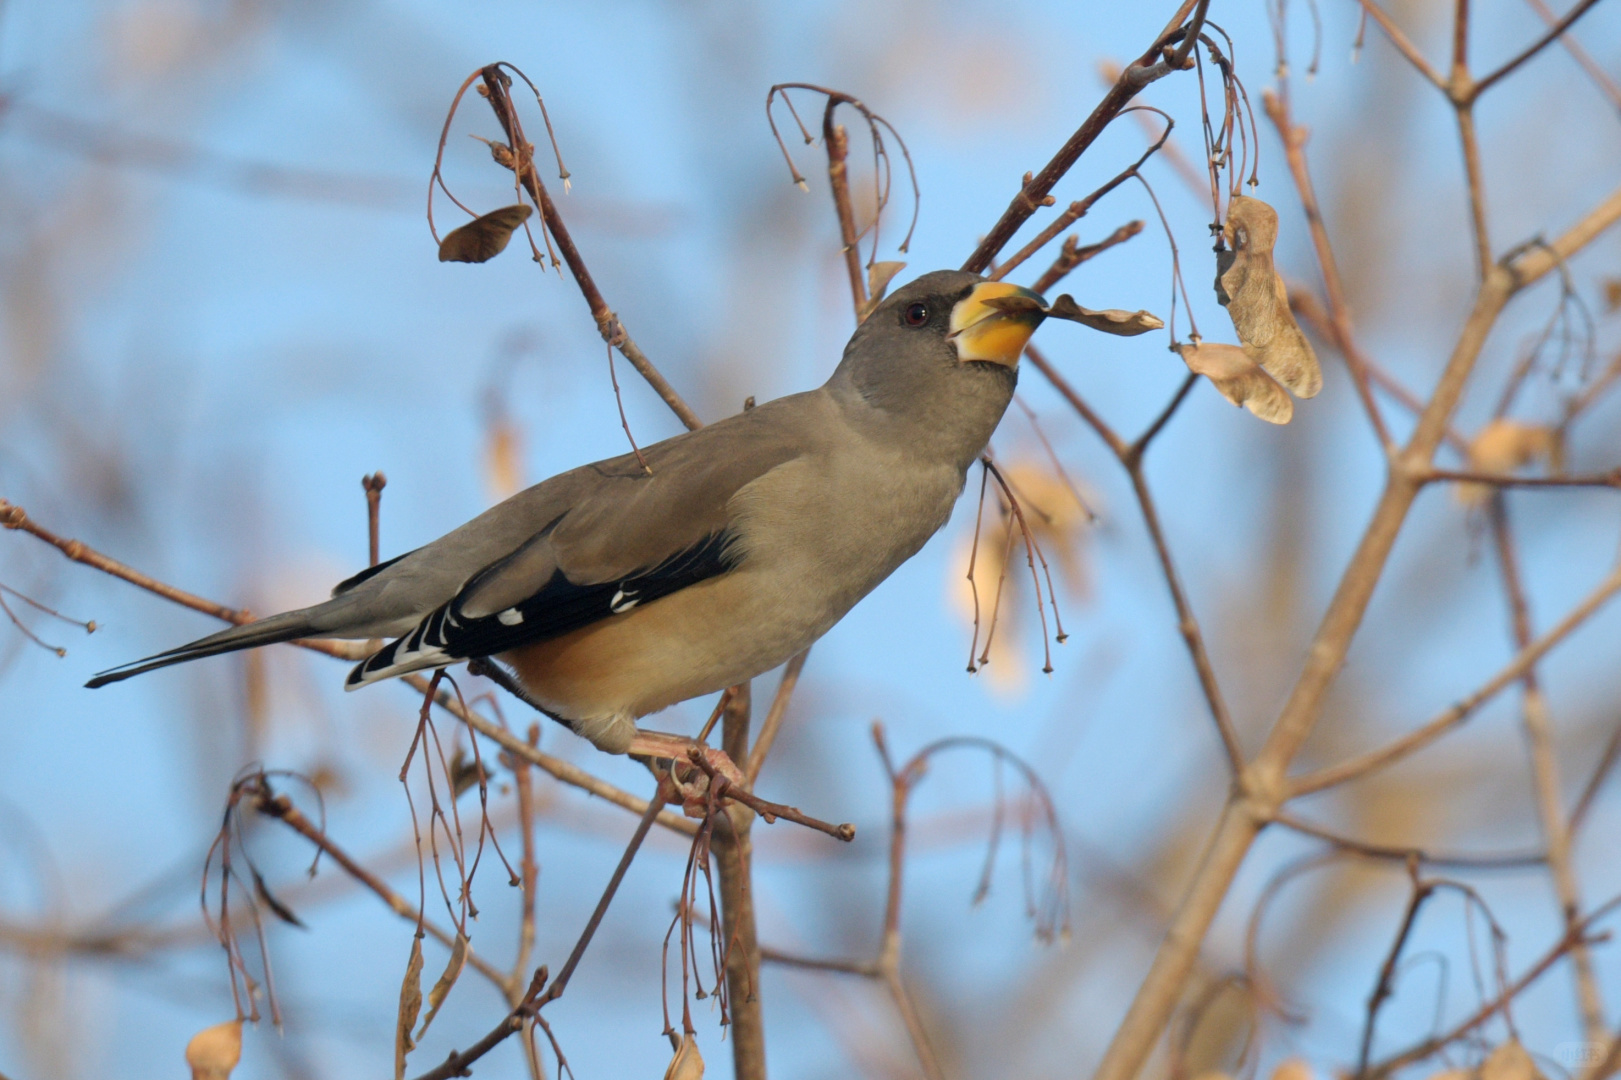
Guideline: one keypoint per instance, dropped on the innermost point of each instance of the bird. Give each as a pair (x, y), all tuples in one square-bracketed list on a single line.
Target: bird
[(619, 588)]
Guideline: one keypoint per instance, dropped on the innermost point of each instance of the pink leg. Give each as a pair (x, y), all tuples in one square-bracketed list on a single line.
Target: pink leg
[(677, 749)]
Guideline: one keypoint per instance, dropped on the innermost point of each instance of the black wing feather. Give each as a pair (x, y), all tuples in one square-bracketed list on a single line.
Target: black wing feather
[(557, 608)]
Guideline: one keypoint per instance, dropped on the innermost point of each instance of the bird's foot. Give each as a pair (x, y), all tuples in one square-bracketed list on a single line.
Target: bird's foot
[(674, 754)]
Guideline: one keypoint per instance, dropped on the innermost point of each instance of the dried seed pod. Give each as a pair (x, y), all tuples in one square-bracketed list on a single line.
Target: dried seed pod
[(214, 1051), (441, 989), (879, 275), (410, 1008), (1503, 447), (1110, 320), (1509, 1062), (483, 238), (687, 1064), (1248, 285), (1293, 1069), (1239, 379)]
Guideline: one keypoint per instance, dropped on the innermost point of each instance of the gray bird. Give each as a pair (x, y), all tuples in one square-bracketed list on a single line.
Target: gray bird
[(611, 592)]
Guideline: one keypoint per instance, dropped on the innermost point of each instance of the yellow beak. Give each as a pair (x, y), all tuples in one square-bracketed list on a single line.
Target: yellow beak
[(995, 332)]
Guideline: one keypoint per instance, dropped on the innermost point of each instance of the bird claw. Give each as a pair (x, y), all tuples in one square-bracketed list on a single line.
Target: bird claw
[(692, 767)]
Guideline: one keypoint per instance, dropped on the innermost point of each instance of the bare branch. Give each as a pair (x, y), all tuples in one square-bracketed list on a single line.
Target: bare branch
[(1555, 31), (1450, 718)]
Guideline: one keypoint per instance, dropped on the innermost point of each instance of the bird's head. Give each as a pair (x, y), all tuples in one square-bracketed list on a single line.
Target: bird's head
[(942, 353), (981, 322)]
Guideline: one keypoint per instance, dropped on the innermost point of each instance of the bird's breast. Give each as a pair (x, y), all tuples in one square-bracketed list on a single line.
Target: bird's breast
[(814, 536)]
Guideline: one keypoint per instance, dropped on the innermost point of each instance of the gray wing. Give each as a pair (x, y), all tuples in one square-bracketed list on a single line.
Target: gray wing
[(552, 558), (595, 542)]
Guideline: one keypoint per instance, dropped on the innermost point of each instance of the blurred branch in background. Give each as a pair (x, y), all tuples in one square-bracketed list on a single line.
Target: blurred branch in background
[(1255, 535)]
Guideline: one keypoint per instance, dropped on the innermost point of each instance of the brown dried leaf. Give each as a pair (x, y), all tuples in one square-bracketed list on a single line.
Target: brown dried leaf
[(410, 1006), (1110, 320), (879, 275), (283, 912), (1015, 303), (1239, 379), (483, 238), (441, 989), (503, 458), (1509, 1062), (1249, 286), (1503, 447), (466, 772), (214, 1051), (1293, 1069), (687, 1064)]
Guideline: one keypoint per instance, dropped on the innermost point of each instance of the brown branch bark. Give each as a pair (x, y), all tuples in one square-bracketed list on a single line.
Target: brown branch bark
[(1131, 458), (565, 771), (1555, 31), (1491, 1008), (608, 324), (1263, 786), (281, 808), (734, 857), (1451, 717), (1600, 77), (1546, 783), (774, 717), (13, 516), (457, 1064), (1294, 139), (1033, 193), (1402, 43)]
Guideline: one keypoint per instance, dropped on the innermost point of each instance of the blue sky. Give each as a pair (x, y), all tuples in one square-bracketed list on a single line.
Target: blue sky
[(196, 375)]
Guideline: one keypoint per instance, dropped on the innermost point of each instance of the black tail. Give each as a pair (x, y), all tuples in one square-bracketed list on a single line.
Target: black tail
[(284, 627)]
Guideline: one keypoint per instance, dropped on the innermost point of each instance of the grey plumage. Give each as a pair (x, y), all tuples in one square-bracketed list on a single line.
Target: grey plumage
[(614, 593)]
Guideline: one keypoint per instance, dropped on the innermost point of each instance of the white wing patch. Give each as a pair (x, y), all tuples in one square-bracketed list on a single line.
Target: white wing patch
[(510, 617), (623, 602)]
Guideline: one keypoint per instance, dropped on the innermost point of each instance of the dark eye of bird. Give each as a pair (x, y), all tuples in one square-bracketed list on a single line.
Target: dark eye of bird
[(917, 314)]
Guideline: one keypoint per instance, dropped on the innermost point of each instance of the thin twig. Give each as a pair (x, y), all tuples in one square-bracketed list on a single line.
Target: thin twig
[(13, 516), (1342, 336), (1499, 480), (608, 324), (1554, 32), (1078, 209), (457, 1064), (373, 484), (1384, 986), (1072, 254), (1402, 43), (1034, 192), (565, 771), (1262, 786), (774, 717), (772, 811), (1545, 776), (734, 859), (1187, 623), (1566, 942), (1450, 718), (1510, 860), (1601, 78), (281, 808)]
